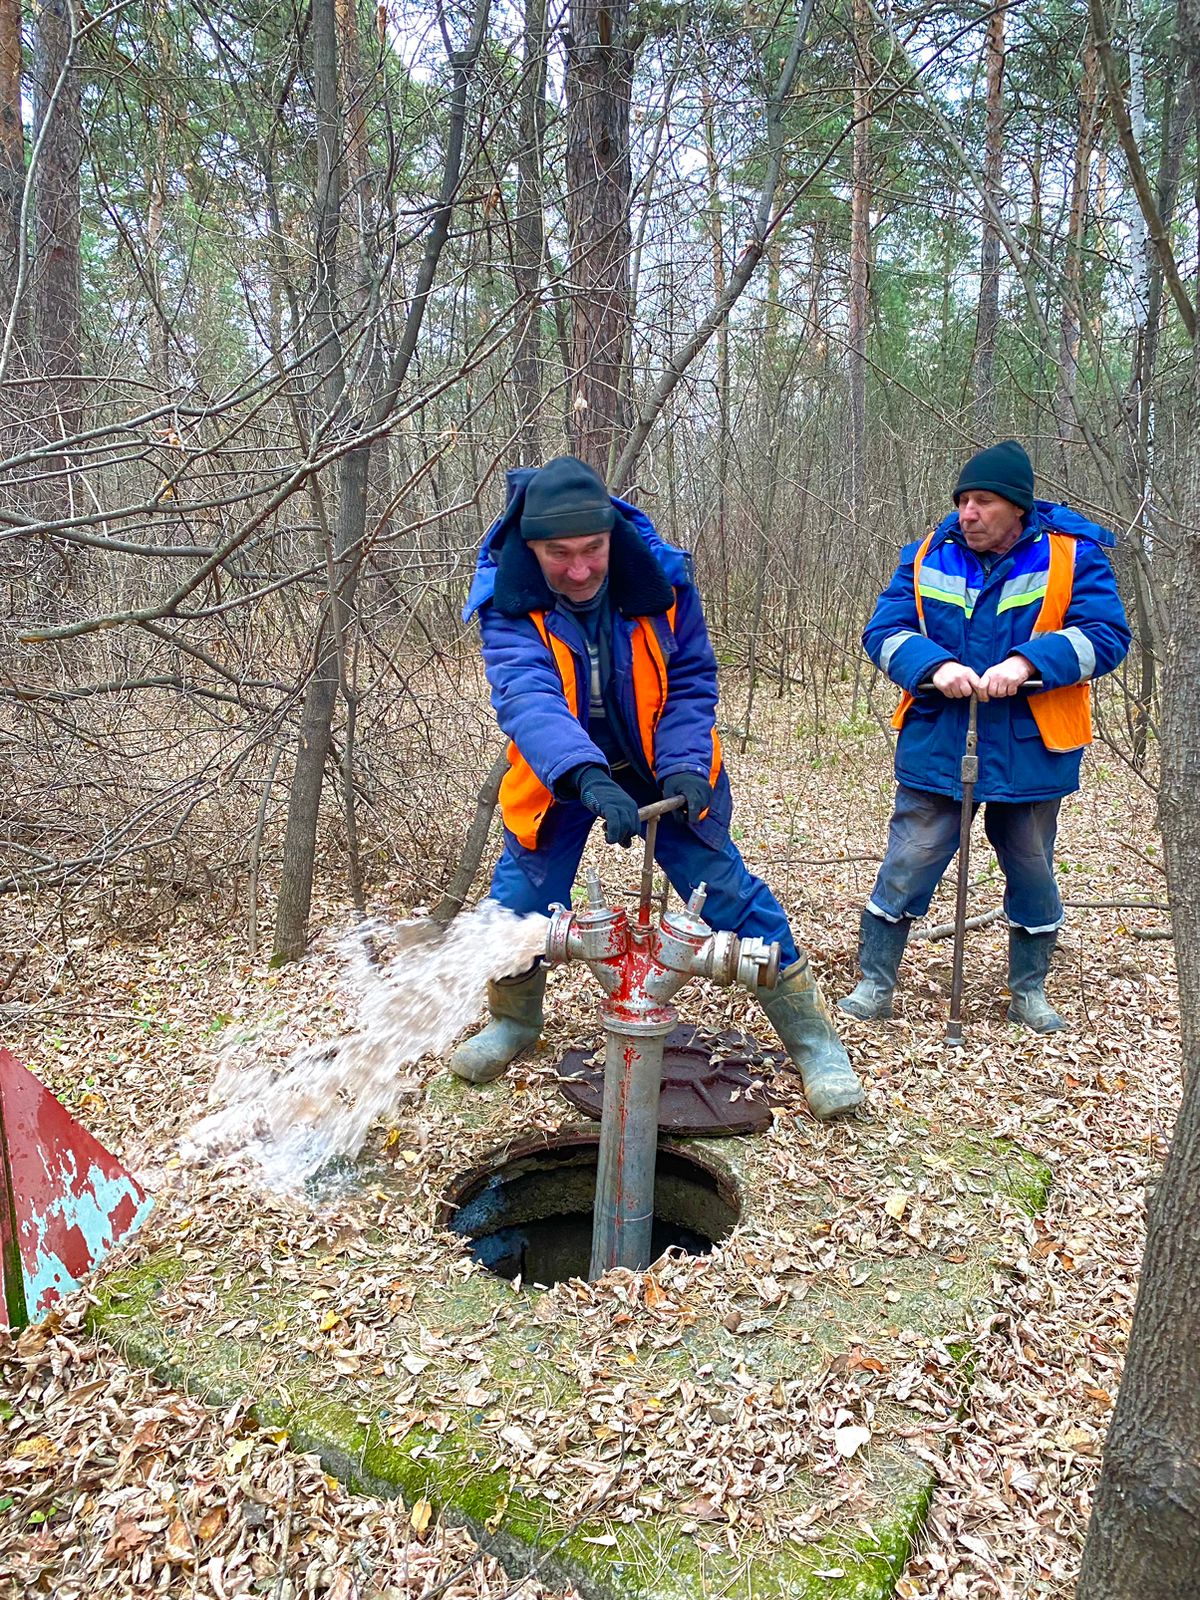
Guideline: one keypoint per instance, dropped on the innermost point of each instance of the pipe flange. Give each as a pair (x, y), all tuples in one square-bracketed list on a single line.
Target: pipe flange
[(558, 935), (758, 964)]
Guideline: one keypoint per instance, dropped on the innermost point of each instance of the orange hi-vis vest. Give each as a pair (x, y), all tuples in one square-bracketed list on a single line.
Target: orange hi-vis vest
[(1063, 716), (524, 798)]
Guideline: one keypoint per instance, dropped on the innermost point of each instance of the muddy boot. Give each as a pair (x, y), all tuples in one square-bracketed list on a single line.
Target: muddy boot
[(880, 946), (516, 1007), (801, 1019), (1028, 963)]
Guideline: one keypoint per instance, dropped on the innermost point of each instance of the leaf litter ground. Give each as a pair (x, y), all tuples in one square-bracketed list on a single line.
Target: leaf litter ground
[(112, 1483)]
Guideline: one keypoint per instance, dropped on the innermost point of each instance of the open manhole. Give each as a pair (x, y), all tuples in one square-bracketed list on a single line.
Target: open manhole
[(528, 1214)]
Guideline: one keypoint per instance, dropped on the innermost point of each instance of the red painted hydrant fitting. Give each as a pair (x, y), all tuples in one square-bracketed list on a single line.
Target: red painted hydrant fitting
[(641, 965)]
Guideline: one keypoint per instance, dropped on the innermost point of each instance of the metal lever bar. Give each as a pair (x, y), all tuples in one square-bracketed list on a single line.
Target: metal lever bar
[(1030, 684), (650, 815), (968, 776)]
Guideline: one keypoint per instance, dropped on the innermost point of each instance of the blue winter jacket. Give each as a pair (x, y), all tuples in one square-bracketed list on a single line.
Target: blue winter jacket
[(646, 577), (980, 617)]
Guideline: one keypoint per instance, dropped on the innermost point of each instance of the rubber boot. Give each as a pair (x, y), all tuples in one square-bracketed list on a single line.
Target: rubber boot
[(801, 1018), (1028, 963), (880, 946), (516, 1007)]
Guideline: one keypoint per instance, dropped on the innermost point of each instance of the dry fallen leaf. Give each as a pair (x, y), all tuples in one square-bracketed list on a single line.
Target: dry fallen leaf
[(849, 1439)]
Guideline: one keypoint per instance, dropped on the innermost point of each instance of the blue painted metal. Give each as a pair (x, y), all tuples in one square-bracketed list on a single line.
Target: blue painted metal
[(65, 1200)]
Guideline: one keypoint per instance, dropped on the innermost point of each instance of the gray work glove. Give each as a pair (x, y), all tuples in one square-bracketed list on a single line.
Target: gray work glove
[(601, 793)]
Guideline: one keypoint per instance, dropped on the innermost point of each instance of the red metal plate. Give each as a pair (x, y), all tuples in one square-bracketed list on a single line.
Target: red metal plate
[(712, 1083), (65, 1200)]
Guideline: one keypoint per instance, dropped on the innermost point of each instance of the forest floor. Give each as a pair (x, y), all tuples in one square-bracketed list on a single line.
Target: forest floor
[(111, 1483)]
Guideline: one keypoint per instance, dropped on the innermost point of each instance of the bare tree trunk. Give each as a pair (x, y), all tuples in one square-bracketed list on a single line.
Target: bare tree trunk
[(454, 898), (860, 256), (1069, 321), (765, 222), (529, 236), (316, 717), (860, 225), (379, 397), (57, 292), (12, 148), (599, 86), (983, 382), (716, 225), (1143, 1540)]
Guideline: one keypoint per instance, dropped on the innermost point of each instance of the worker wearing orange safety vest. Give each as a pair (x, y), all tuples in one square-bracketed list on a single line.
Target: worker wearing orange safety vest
[(604, 680), (1005, 589)]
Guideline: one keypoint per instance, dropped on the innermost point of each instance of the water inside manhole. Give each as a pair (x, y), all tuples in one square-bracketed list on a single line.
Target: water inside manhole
[(528, 1213)]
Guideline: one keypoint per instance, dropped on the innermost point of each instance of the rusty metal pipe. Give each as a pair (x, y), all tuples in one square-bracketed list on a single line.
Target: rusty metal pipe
[(623, 1219), (641, 967), (969, 775)]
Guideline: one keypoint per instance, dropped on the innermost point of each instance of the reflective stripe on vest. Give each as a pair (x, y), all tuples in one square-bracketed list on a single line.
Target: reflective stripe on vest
[(524, 798), (1063, 716), (907, 698)]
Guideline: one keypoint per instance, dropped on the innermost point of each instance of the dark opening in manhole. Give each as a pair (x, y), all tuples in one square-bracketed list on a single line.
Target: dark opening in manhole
[(528, 1214)]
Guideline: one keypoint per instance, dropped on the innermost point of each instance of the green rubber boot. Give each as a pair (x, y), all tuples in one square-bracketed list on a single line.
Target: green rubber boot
[(880, 946), (801, 1019), (1028, 963), (516, 1007)]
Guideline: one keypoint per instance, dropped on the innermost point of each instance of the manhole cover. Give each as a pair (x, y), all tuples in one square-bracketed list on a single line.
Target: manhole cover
[(712, 1084)]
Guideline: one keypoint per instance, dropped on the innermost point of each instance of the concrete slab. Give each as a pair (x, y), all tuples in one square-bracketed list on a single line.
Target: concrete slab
[(757, 1424)]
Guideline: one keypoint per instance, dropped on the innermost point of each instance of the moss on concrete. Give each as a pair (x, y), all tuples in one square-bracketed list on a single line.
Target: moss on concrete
[(272, 1358)]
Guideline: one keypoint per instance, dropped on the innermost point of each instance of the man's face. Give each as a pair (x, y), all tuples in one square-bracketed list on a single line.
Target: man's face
[(990, 524), (575, 567)]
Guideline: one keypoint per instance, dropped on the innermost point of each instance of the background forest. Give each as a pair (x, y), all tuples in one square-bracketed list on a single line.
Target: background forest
[(288, 288)]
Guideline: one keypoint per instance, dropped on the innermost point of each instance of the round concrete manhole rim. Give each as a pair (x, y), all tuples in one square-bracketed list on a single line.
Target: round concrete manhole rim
[(546, 1181)]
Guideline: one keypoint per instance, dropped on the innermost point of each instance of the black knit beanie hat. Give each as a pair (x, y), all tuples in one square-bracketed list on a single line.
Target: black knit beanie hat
[(564, 499), (1003, 469)]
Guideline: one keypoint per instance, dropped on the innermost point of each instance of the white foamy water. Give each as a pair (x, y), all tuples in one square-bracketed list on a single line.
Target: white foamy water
[(290, 1120)]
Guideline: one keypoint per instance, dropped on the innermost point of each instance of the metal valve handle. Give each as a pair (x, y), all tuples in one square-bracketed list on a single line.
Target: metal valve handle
[(650, 815)]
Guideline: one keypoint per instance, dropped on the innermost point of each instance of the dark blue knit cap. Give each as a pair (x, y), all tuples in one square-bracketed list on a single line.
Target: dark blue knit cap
[(565, 499), (1003, 469)]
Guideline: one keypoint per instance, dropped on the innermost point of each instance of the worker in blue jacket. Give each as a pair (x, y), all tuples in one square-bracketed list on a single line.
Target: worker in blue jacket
[(604, 680), (1005, 589)]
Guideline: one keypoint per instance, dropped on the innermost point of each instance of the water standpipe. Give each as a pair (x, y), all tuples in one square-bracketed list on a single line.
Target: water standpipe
[(640, 966)]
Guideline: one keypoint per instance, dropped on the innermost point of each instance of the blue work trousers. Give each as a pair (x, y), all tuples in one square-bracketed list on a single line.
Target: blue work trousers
[(922, 841), (738, 902)]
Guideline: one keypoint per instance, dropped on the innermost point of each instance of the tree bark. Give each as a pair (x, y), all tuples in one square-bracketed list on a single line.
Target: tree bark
[(1069, 319), (56, 276), (600, 59), (716, 224), (1143, 1540), (316, 717), (12, 149), (529, 236), (983, 381), (860, 252), (330, 653)]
